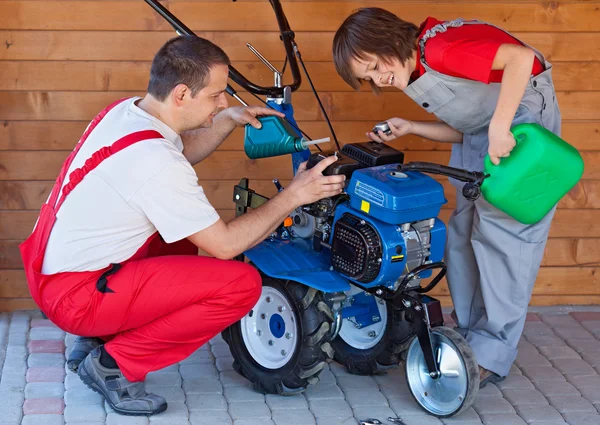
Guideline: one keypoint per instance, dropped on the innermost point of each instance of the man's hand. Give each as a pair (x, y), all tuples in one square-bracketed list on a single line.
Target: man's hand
[(309, 186), (399, 128), (502, 143), (242, 115)]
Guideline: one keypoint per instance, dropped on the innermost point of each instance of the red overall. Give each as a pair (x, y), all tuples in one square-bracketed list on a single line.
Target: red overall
[(154, 309)]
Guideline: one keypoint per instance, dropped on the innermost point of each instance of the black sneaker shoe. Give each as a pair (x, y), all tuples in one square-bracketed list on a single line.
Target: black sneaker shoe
[(125, 397), (81, 348)]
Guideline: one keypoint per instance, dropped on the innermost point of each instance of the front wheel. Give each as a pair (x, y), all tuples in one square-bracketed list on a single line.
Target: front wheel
[(457, 387), (281, 344), (372, 349)]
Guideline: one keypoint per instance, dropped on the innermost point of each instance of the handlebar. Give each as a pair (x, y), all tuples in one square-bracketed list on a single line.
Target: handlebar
[(287, 37)]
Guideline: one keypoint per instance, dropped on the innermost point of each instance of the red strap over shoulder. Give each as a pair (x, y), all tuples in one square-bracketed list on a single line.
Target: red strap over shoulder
[(100, 155), (63, 171)]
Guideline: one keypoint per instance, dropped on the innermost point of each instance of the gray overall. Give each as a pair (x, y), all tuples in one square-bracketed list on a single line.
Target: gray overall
[(493, 260)]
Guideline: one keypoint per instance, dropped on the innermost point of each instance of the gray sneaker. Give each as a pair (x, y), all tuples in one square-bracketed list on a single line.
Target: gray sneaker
[(125, 397), (81, 348)]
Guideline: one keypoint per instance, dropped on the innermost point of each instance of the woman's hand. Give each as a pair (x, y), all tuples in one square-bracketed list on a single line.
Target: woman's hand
[(398, 126)]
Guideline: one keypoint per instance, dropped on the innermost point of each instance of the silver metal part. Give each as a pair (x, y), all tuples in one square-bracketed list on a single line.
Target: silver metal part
[(276, 73), (417, 238), (239, 99), (382, 127)]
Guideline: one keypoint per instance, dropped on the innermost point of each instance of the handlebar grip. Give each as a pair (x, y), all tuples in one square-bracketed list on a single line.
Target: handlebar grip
[(456, 173)]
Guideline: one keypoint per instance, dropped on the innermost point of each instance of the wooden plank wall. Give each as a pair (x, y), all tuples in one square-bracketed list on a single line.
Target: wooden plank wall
[(61, 61)]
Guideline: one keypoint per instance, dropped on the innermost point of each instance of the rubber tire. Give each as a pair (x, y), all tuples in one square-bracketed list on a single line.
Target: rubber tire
[(471, 366), (311, 352), (383, 356)]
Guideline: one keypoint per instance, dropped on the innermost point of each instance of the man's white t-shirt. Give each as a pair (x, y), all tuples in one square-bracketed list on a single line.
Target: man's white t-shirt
[(147, 187)]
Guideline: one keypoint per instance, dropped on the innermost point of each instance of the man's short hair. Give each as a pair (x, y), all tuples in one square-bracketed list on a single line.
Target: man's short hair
[(185, 60)]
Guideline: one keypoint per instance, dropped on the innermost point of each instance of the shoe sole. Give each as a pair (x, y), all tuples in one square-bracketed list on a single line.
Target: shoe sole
[(90, 383), (492, 379)]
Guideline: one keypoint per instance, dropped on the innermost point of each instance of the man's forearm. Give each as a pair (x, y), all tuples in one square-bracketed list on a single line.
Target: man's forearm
[(436, 131), (257, 224), (198, 144)]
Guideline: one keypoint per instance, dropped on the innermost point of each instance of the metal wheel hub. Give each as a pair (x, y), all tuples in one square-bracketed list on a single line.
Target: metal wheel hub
[(366, 337), (270, 330), (444, 395)]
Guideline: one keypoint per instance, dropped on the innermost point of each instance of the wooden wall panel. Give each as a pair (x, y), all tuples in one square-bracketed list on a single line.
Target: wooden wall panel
[(61, 61)]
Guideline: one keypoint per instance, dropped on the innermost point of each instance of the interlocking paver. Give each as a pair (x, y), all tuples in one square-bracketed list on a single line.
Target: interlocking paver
[(231, 378), (336, 421), (198, 371), (519, 397), (352, 382), (492, 405), (542, 373), (253, 422), (502, 419), (549, 388), (467, 418), (84, 413), (249, 411), (358, 398), (591, 394), (567, 332), (45, 374), (515, 381), (210, 418), (171, 394), (241, 394), (43, 420), (46, 346), (277, 402), (563, 352), (87, 397), (330, 408), (176, 411), (405, 406), (421, 420), (584, 345), (582, 418), (46, 360), (163, 378), (554, 373), (538, 414), (584, 381), (323, 392), (573, 367), (571, 403), (116, 419), (202, 386), (206, 402), (44, 389), (46, 334), (293, 417)]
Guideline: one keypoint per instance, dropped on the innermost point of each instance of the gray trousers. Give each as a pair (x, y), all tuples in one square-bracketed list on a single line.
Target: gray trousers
[(493, 260)]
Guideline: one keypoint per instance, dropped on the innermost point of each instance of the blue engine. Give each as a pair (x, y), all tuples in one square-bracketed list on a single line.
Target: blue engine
[(388, 227), (382, 228)]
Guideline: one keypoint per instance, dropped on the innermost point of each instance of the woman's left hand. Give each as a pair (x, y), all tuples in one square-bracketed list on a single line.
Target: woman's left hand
[(502, 143)]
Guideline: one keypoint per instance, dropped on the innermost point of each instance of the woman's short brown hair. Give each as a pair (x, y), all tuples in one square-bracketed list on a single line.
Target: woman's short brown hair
[(372, 31)]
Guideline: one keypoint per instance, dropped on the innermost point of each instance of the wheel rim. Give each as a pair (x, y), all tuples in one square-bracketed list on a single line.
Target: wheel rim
[(363, 339), (269, 330), (445, 395)]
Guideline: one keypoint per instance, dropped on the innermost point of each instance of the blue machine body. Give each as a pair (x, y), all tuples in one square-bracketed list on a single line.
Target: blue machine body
[(385, 199)]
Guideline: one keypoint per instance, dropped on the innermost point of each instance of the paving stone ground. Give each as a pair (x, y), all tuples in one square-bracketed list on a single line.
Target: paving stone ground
[(555, 381)]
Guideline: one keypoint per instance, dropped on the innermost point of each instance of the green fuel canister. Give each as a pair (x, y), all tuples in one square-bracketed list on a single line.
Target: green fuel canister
[(541, 169), (275, 137)]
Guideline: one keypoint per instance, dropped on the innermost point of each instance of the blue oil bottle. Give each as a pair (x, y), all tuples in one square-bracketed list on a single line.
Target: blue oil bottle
[(275, 137)]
